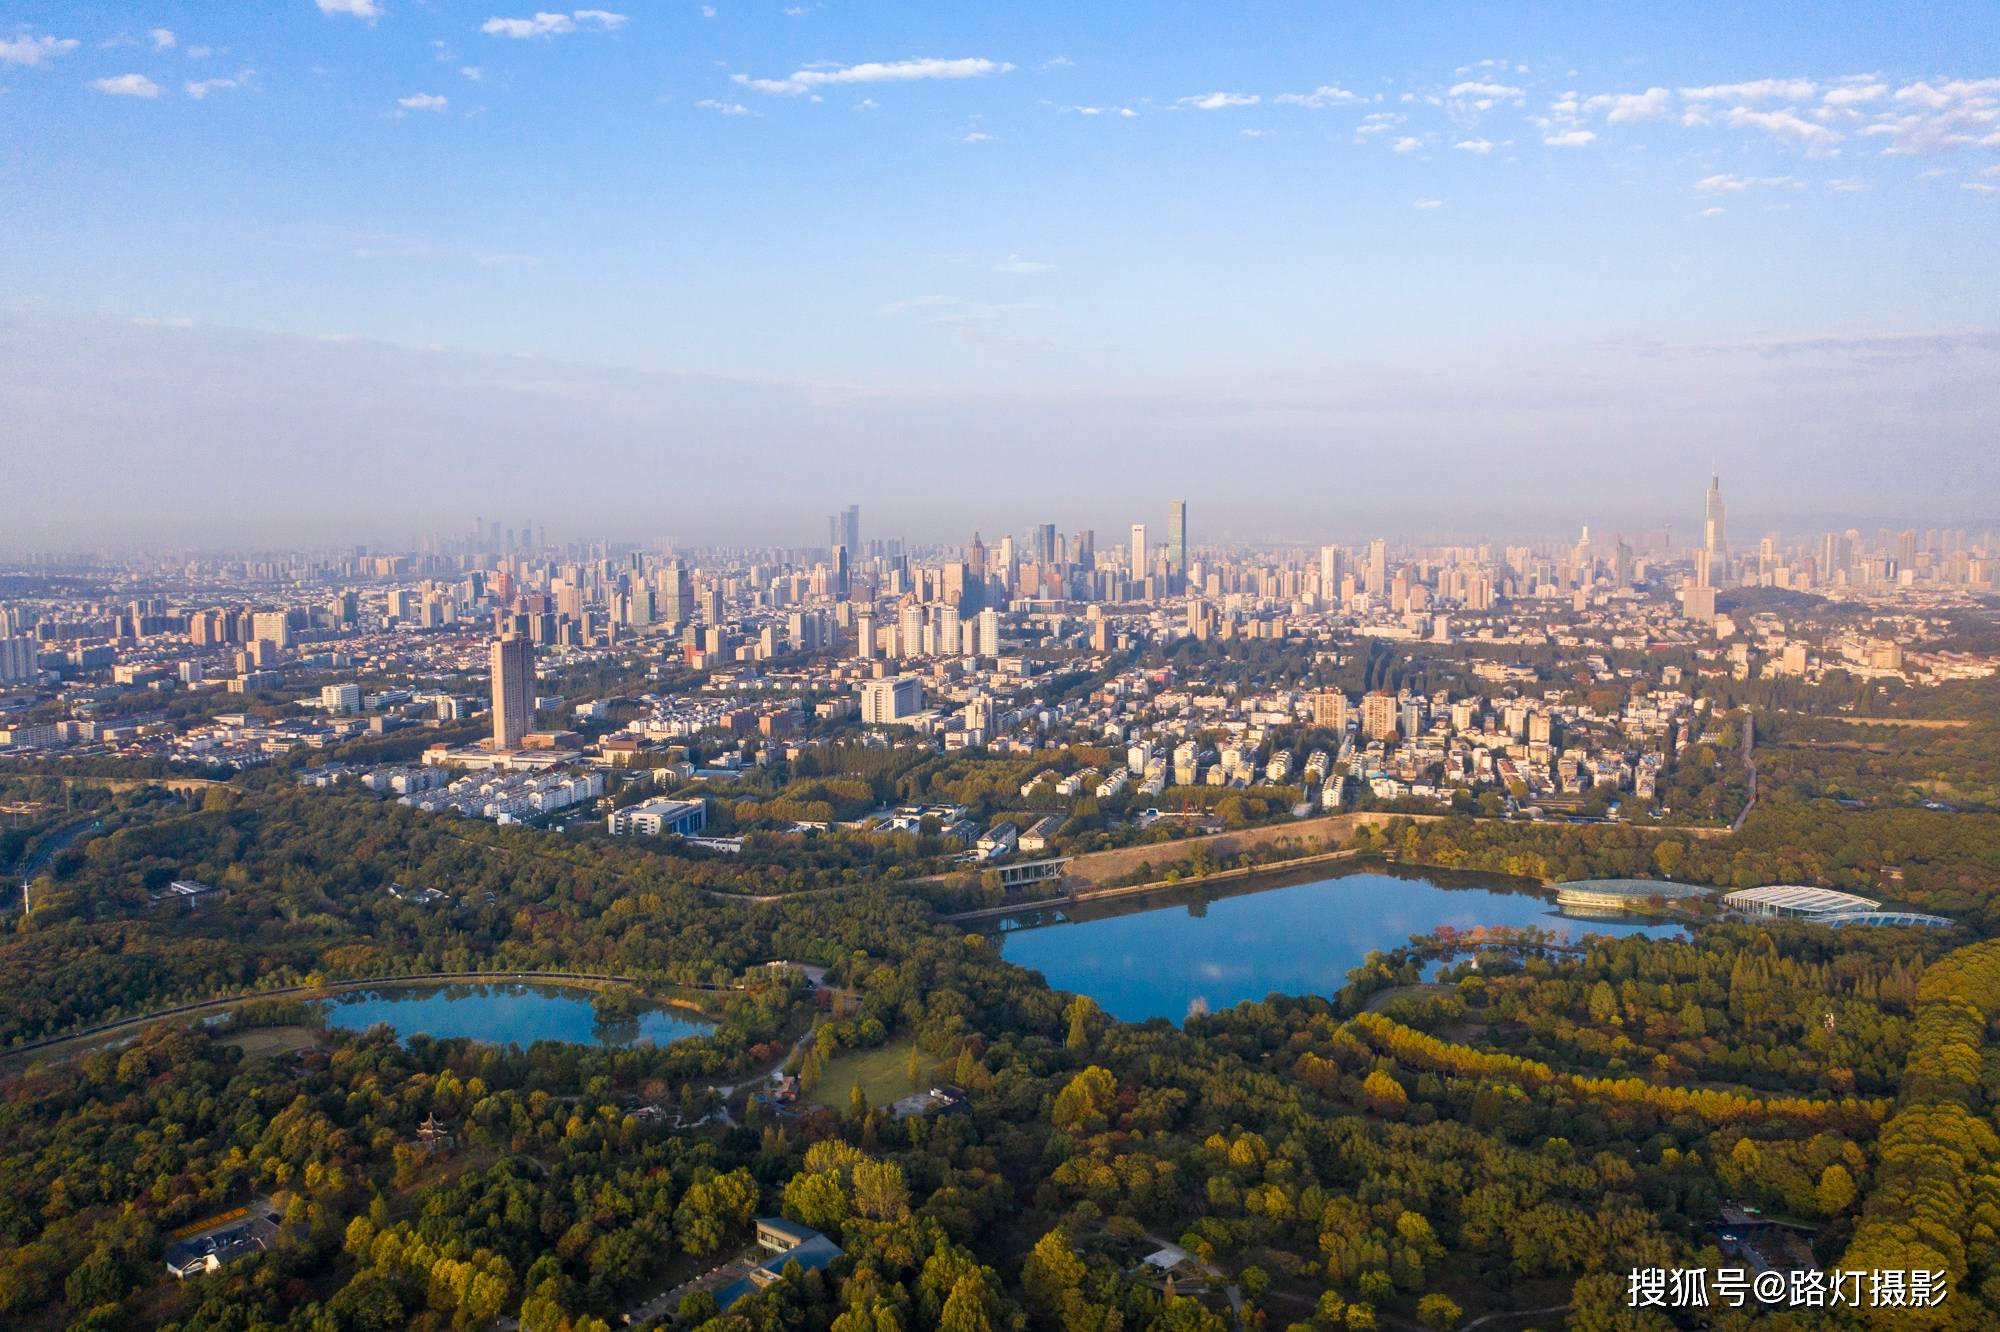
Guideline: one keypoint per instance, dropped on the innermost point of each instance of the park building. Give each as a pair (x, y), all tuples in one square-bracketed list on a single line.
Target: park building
[(660, 817), (1825, 906), (1622, 895), (1796, 900)]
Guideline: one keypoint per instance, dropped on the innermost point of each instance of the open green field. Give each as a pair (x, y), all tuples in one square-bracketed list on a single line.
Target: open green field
[(881, 1073), (269, 1042)]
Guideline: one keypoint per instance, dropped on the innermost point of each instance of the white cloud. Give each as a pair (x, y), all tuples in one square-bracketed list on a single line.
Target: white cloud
[(1758, 90), (1624, 108), (1576, 138), (1847, 186), (548, 24), (875, 71), (1856, 94), (1220, 101), (1377, 122), (33, 51), (206, 86), (198, 52), (1713, 211), (1022, 266), (708, 11), (1480, 146), (1941, 118), (1319, 98), (1736, 184), (978, 136), (1124, 112), (361, 9), (724, 108), (1981, 187), (1491, 92), (163, 39), (127, 85), (1406, 144), (473, 72), (1429, 203), (423, 102), (1786, 125)]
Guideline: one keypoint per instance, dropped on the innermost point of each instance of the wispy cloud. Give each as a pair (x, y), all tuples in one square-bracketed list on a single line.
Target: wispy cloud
[(128, 85), (1479, 146), (423, 102), (548, 24), (35, 51), (1319, 98), (1122, 112), (1220, 101), (1016, 264), (1406, 144), (1757, 90), (1786, 125), (1737, 184), (1575, 138), (1625, 108), (1428, 204), (203, 87), (875, 71), (724, 108), (361, 9), (163, 39), (1483, 95)]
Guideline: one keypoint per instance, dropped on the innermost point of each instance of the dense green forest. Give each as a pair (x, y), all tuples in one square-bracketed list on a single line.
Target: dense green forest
[(1515, 1131)]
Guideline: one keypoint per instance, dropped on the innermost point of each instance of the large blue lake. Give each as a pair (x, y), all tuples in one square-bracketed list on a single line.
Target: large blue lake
[(498, 1014), (1168, 956)]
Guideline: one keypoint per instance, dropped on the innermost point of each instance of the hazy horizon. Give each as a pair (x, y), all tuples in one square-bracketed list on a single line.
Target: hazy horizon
[(339, 271)]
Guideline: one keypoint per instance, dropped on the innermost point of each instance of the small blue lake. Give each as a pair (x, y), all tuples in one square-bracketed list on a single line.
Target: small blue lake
[(1171, 955), (501, 1013)]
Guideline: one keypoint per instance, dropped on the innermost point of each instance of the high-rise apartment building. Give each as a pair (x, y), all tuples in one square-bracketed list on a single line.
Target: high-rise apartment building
[(513, 690), (886, 702), (1378, 716), (1177, 538), (1330, 710)]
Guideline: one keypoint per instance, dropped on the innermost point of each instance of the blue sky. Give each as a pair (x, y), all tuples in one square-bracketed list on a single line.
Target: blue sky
[(1430, 250)]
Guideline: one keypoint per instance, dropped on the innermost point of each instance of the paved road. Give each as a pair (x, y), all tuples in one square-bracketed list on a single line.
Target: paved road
[(1749, 769), (50, 850)]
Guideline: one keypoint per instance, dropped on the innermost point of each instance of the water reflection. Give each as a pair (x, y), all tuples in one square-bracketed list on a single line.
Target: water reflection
[(1143, 958), (520, 1014)]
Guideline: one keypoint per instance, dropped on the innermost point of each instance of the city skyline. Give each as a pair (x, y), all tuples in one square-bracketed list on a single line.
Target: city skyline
[(1529, 265)]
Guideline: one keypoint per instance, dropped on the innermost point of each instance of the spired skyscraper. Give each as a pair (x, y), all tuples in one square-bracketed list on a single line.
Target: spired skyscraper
[(1714, 539), (513, 690)]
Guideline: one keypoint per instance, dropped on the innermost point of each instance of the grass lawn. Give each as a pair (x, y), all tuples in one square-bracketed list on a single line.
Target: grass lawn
[(269, 1042), (881, 1073)]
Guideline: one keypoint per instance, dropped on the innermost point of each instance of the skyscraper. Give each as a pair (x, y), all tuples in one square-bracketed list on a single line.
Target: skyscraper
[(844, 529), (1177, 538), (1378, 568), (1713, 537), (1139, 561), (513, 690)]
